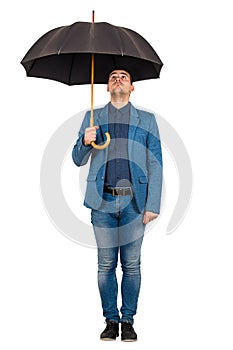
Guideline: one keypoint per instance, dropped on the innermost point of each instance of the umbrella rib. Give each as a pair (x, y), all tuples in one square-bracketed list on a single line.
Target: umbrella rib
[(31, 66), (119, 36), (71, 68)]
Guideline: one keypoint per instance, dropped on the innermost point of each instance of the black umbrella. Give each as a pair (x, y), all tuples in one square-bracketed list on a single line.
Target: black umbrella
[(86, 52)]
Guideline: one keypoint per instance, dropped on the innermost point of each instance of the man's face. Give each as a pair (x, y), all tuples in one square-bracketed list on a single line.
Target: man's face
[(119, 82)]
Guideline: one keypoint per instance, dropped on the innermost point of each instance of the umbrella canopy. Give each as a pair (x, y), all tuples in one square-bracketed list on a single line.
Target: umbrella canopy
[(86, 52), (65, 53)]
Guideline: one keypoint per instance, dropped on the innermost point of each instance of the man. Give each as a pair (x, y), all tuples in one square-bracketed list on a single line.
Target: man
[(124, 192)]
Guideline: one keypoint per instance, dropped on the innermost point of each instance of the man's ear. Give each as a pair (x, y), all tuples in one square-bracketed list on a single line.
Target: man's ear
[(132, 88), (107, 88)]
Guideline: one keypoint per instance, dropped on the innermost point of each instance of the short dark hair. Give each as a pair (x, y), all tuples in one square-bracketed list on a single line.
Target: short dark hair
[(131, 77)]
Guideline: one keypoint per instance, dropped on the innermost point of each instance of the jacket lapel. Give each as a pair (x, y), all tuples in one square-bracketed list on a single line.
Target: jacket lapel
[(133, 123), (102, 120)]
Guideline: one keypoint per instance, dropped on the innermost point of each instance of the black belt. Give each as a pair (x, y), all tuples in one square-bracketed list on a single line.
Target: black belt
[(119, 191)]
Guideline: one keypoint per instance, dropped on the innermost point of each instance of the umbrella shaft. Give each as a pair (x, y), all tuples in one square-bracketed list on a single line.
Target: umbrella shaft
[(92, 80), (92, 90)]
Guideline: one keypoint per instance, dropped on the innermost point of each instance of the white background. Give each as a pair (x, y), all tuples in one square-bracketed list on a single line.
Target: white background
[(49, 297)]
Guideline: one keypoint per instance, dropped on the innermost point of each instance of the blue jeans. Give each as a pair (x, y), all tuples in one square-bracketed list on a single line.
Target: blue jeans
[(119, 230)]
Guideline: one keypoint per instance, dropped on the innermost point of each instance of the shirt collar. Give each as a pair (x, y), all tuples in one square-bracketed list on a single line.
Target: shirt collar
[(123, 110)]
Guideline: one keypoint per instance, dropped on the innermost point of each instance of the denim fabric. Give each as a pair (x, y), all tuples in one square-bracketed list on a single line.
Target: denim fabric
[(119, 231)]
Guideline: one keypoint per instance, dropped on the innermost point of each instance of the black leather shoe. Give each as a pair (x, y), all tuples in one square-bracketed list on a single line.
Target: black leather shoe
[(127, 332), (111, 331)]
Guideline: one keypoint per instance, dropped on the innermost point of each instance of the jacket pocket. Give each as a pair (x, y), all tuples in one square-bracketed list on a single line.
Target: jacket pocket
[(91, 178)]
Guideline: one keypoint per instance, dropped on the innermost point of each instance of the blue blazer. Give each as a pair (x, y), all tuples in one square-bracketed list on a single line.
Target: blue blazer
[(144, 153)]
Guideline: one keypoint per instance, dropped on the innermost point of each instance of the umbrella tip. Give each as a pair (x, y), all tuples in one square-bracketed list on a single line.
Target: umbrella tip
[(93, 16)]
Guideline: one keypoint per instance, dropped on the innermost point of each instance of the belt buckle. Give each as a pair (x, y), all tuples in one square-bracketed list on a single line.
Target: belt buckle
[(119, 191), (115, 192), (122, 191)]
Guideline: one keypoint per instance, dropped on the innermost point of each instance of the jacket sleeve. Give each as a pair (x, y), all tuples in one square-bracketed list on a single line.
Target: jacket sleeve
[(80, 152), (155, 168)]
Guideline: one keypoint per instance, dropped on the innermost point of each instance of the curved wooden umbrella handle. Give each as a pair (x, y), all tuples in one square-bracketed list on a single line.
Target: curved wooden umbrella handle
[(105, 145)]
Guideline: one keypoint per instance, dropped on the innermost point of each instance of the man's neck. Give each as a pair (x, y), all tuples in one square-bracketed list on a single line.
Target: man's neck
[(119, 104)]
